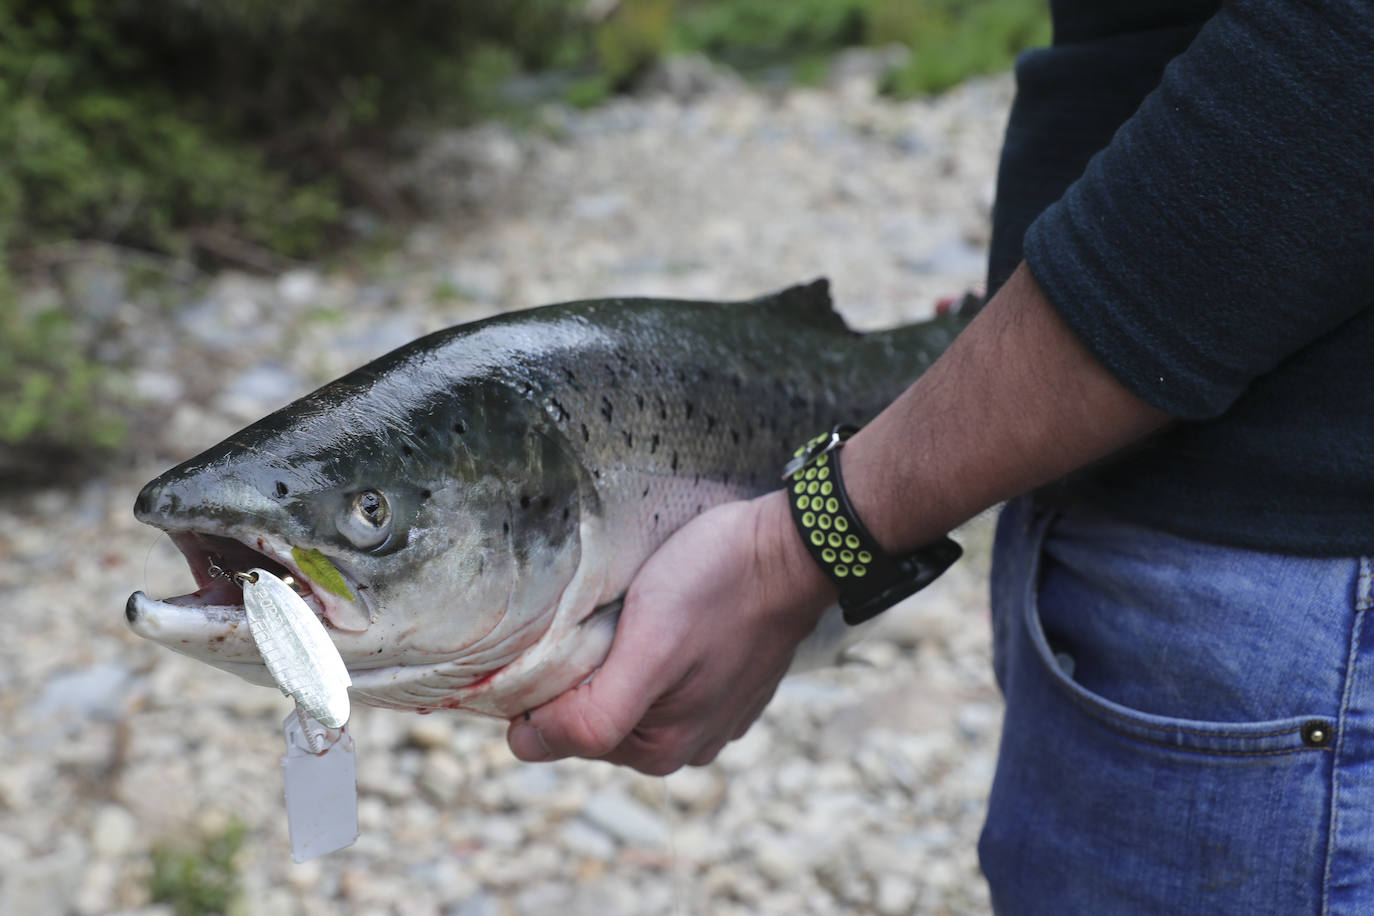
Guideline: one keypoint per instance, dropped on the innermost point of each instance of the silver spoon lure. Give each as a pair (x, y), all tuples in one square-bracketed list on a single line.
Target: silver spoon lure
[(298, 652)]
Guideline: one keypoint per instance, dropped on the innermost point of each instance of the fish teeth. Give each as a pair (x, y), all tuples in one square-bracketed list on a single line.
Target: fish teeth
[(296, 649)]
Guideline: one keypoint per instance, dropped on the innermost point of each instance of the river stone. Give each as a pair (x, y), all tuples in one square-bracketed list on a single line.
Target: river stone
[(627, 820)]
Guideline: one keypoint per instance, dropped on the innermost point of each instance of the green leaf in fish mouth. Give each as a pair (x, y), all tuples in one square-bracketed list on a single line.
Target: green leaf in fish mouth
[(322, 572)]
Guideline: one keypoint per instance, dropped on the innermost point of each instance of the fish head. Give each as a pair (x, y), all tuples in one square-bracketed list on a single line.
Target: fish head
[(434, 535)]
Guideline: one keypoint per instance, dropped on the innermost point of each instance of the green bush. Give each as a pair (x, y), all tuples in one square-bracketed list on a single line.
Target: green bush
[(751, 34), (201, 881), (54, 396), (951, 40), (226, 127)]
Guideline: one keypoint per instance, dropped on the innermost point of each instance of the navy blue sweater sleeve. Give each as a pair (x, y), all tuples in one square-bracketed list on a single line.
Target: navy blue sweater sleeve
[(1231, 219)]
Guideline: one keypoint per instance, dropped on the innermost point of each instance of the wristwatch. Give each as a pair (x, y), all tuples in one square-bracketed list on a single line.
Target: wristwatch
[(869, 579)]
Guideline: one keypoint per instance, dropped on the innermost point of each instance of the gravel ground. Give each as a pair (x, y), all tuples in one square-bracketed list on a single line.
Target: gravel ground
[(860, 790)]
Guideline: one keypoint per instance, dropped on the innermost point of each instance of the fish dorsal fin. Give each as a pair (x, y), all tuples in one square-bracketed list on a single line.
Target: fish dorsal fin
[(808, 304)]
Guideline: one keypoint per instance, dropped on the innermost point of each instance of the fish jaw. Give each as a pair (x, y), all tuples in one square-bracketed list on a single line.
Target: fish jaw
[(215, 634), (210, 623)]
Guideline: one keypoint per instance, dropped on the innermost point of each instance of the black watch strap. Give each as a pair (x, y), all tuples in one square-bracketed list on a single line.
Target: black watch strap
[(869, 579)]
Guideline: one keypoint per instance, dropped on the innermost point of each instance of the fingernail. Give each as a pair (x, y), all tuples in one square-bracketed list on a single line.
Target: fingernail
[(528, 744)]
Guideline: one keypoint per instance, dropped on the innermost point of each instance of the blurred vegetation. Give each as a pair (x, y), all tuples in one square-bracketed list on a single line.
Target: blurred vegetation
[(51, 390), (203, 880), (242, 131)]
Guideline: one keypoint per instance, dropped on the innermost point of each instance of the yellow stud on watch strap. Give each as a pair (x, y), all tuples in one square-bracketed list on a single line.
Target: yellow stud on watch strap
[(869, 579)]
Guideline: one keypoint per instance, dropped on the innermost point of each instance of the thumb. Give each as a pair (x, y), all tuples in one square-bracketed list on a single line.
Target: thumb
[(591, 720)]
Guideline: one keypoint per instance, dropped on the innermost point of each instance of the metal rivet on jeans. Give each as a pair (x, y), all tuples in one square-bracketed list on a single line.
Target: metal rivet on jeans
[(1317, 733), (1065, 662)]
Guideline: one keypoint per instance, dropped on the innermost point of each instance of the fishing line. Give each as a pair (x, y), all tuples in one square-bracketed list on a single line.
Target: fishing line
[(675, 876), (148, 555)]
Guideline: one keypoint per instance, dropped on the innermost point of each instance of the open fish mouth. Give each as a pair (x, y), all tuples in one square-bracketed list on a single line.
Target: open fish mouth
[(218, 600)]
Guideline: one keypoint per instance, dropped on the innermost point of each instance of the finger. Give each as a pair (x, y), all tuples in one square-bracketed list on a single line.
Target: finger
[(657, 751), (755, 709), (704, 757), (590, 720)]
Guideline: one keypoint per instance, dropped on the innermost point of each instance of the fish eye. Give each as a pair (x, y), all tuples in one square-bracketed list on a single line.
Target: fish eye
[(367, 521)]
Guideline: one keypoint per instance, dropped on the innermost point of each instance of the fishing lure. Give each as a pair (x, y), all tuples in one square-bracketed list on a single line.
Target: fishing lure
[(295, 647)]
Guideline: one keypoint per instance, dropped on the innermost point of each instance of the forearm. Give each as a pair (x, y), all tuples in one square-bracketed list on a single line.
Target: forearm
[(1016, 402)]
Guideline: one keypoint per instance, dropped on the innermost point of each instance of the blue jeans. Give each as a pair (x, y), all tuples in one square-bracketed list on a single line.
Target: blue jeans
[(1189, 728)]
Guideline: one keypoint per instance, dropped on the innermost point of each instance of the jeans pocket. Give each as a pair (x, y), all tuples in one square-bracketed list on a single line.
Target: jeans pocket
[(1310, 731), (1227, 739)]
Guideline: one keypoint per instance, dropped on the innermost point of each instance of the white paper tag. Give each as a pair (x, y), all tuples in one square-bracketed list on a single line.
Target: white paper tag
[(321, 778)]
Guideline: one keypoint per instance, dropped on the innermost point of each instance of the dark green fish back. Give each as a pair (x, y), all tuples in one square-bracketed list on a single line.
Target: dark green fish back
[(710, 393)]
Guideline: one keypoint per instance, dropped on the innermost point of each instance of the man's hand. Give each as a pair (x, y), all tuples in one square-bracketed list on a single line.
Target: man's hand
[(709, 627)]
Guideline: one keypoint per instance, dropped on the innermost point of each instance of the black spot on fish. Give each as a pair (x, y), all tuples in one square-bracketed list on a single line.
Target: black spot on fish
[(407, 451), (612, 380), (710, 422), (606, 409), (737, 382), (726, 480), (662, 409), (544, 503), (459, 428), (422, 432), (674, 462), (596, 472), (572, 379), (645, 493), (653, 444), (690, 409), (556, 405), (696, 479), (566, 513), (425, 494), (281, 489), (524, 501), (505, 527), (639, 401), (655, 519), (698, 508), (734, 436), (586, 436)]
